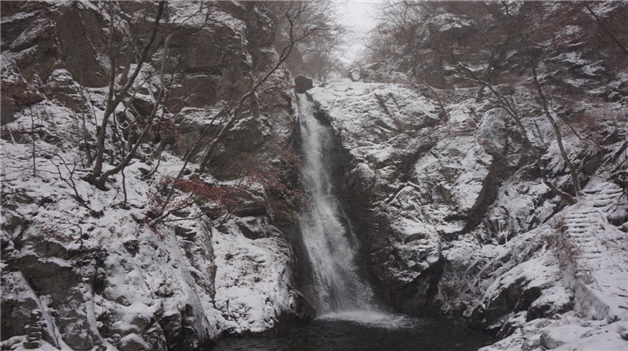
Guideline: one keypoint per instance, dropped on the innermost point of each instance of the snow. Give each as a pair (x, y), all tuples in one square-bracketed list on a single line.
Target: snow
[(410, 227), (595, 281), (15, 17), (380, 109), (146, 272), (15, 344), (250, 295), (250, 276), (580, 299), (220, 282), (566, 333), (538, 272), (556, 296)]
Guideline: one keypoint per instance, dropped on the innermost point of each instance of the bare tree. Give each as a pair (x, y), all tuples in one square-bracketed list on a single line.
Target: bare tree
[(481, 40), (542, 98), (122, 87), (301, 23), (508, 105), (116, 96), (315, 54)]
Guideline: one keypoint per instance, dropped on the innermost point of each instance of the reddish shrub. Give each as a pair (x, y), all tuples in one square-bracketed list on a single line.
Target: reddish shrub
[(191, 192), (19, 93)]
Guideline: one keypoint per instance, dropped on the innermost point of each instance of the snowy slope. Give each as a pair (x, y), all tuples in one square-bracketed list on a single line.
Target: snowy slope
[(100, 273)]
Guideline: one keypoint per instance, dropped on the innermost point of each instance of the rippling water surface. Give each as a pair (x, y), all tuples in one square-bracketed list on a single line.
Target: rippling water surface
[(366, 331)]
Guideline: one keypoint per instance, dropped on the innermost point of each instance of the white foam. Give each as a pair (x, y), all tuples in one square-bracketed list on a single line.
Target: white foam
[(376, 319)]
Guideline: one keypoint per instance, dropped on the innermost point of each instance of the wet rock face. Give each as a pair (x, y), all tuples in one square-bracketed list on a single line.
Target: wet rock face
[(211, 60)]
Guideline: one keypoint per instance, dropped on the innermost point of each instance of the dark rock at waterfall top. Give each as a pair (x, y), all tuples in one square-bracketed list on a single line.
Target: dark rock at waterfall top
[(302, 84)]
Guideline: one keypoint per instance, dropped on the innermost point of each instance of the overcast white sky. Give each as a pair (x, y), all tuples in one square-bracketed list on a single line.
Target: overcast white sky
[(357, 15)]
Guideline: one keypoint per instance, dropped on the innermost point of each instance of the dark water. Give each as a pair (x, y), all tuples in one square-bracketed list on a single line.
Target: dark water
[(361, 332)]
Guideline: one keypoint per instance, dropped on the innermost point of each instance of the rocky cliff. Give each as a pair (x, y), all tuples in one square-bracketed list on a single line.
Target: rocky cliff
[(85, 268), (449, 223), (450, 188)]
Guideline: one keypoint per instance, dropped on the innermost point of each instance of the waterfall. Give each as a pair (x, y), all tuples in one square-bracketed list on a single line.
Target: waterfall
[(331, 245)]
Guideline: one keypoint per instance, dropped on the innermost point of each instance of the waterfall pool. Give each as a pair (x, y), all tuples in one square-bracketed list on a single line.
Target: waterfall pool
[(365, 331)]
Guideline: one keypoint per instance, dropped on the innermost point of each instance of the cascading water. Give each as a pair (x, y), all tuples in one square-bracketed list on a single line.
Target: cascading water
[(347, 319), (330, 245)]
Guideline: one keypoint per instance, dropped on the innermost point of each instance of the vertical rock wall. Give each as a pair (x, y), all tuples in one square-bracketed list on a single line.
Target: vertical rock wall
[(451, 213)]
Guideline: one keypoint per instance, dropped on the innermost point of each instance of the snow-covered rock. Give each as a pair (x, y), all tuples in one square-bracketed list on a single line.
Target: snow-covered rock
[(95, 267), (459, 221)]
